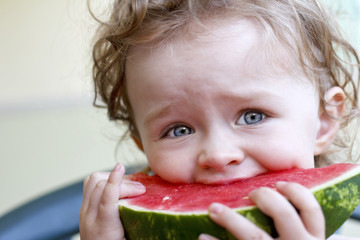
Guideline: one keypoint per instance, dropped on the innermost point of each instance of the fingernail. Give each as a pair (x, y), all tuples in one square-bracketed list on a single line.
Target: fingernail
[(215, 208), (251, 194), (139, 185), (280, 184), (204, 237), (117, 167)]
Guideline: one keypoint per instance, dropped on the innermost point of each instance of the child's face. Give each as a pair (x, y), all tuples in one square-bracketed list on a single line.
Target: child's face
[(212, 109)]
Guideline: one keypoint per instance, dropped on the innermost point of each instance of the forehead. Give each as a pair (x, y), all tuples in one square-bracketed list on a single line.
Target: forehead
[(262, 50), (237, 50)]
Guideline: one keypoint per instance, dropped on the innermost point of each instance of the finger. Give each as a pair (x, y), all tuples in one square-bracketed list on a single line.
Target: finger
[(85, 199), (309, 209), (204, 236), (94, 200), (286, 219), (131, 188), (110, 196), (97, 183), (128, 189), (125, 187), (90, 183), (235, 223)]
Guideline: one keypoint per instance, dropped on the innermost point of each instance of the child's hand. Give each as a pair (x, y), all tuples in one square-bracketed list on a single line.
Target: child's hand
[(99, 213), (309, 223)]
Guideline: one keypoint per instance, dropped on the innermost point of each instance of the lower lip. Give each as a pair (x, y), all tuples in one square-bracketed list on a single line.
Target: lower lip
[(223, 181)]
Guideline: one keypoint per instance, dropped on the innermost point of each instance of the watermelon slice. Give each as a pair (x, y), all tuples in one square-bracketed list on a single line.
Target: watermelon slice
[(174, 211)]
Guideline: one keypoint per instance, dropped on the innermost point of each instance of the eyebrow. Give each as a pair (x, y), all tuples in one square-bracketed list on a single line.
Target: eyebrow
[(158, 113), (261, 95), (166, 109)]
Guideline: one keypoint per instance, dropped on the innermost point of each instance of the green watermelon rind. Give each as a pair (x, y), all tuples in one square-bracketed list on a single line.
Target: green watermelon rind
[(338, 199), (158, 225)]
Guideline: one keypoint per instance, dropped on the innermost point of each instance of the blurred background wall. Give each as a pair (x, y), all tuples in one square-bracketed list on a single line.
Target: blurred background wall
[(50, 134)]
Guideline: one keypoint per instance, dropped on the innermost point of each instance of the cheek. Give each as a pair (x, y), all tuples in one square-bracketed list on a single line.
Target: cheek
[(283, 154), (171, 165)]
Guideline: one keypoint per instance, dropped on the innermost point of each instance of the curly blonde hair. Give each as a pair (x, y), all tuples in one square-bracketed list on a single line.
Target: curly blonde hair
[(305, 26)]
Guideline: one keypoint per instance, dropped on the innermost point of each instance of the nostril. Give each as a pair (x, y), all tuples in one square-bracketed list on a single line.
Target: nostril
[(220, 158), (233, 162)]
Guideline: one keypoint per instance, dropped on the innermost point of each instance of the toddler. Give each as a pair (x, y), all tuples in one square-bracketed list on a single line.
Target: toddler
[(218, 90)]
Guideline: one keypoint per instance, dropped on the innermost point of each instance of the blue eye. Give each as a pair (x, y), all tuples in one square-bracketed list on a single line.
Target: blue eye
[(251, 118), (179, 131)]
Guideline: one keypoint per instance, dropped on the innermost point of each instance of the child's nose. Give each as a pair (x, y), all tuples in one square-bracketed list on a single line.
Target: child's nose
[(219, 154)]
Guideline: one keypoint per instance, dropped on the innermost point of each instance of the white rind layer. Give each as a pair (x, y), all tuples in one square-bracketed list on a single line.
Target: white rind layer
[(344, 176)]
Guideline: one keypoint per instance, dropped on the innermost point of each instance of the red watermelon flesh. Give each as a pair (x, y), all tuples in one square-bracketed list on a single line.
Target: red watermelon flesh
[(195, 197)]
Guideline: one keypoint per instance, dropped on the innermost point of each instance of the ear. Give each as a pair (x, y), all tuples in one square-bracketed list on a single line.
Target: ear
[(329, 118), (137, 142)]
